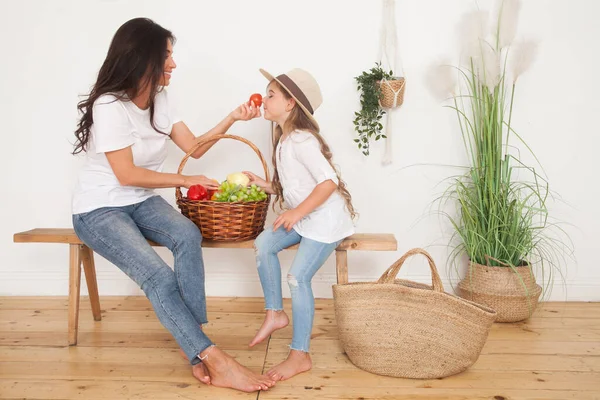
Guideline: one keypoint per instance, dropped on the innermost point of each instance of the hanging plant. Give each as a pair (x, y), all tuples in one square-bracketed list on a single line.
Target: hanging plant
[(367, 122)]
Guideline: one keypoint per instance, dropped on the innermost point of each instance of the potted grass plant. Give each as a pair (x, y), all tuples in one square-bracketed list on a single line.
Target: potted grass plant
[(501, 222)]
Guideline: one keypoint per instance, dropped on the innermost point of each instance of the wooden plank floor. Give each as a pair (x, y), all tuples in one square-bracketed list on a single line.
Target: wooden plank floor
[(128, 355)]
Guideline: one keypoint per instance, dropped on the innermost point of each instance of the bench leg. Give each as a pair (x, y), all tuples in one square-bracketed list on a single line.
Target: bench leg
[(341, 266), (74, 285), (87, 258)]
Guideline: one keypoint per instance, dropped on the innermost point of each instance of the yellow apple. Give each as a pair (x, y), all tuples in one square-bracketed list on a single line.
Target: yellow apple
[(238, 179)]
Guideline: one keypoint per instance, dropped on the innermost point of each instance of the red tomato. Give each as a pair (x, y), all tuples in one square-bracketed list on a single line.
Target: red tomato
[(257, 99), (197, 192)]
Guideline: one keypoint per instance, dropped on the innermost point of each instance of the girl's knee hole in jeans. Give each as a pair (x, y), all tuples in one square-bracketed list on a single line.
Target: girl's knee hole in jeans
[(292, 281), (257, 255)]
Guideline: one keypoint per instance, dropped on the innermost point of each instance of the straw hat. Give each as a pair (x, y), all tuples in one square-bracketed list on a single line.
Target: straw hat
[(302, 87)]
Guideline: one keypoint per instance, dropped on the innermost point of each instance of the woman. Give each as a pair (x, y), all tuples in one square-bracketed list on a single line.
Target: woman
[(126, 121)]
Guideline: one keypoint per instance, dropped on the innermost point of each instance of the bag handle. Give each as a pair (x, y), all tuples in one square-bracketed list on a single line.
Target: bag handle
[(215, 138), (390, 274)]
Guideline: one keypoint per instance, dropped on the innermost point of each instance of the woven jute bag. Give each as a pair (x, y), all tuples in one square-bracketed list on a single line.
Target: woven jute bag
[(220, 221), (408, 329)]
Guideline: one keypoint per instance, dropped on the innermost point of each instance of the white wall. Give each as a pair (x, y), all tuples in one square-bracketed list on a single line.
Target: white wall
[(51, 51)]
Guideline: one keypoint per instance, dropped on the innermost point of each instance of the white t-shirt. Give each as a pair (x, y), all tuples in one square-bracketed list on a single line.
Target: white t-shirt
[(301, 167), (117, 125)]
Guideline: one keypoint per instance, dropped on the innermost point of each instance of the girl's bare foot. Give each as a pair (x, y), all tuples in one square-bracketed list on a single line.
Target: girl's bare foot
[(226, 372), (296, 363), (273, 320)]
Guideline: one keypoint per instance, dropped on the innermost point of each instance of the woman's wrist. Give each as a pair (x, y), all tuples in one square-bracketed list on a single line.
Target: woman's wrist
[(230, 119), (182, 181)]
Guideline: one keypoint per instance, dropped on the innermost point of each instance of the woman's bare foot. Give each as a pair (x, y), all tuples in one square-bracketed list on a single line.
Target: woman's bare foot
[(200, 372), (296, 363), (273, 320), (226, 372)]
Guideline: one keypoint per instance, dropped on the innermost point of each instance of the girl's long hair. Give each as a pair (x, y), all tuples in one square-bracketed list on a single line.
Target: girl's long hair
[(298, 120), (134, 62)]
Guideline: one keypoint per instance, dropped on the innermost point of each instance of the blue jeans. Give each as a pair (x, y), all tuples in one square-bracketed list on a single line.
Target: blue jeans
[(178, 297), (310, 257)]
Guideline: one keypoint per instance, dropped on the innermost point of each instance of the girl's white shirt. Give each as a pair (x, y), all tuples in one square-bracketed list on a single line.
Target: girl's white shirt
[(301, 167)]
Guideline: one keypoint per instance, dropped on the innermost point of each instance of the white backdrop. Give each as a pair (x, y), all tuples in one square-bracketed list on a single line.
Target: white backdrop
[(52, 51)]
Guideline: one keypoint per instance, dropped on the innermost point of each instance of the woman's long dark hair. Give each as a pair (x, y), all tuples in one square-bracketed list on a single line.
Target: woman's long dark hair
[(135, 61)]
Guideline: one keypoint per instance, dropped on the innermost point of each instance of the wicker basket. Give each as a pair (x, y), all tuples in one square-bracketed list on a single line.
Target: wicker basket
[(514, 294), (392, 92), (220, 221), (407, 329)]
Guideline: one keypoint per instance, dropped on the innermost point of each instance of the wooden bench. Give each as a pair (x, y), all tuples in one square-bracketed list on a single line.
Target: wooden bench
[(80, 254)]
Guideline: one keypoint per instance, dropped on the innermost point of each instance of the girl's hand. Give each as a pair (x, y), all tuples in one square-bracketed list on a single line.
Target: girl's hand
[(256, 180), (245, 112), (212, 184), (288, 219)]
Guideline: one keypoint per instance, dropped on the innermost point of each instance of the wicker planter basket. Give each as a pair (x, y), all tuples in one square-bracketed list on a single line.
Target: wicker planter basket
[(407, 329), (514, 294), (220, 221), (392, 92)]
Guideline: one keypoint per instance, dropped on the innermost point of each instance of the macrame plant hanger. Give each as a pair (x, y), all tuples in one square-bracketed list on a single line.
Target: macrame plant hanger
[(393, 90)]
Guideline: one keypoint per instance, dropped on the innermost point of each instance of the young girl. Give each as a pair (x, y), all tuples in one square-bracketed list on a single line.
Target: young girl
[(319, 212)]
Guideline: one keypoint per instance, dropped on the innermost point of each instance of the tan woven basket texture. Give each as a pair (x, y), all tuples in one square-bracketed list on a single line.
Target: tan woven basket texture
[(220, 221), (407, 329), (513, 293), (392, 92)]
